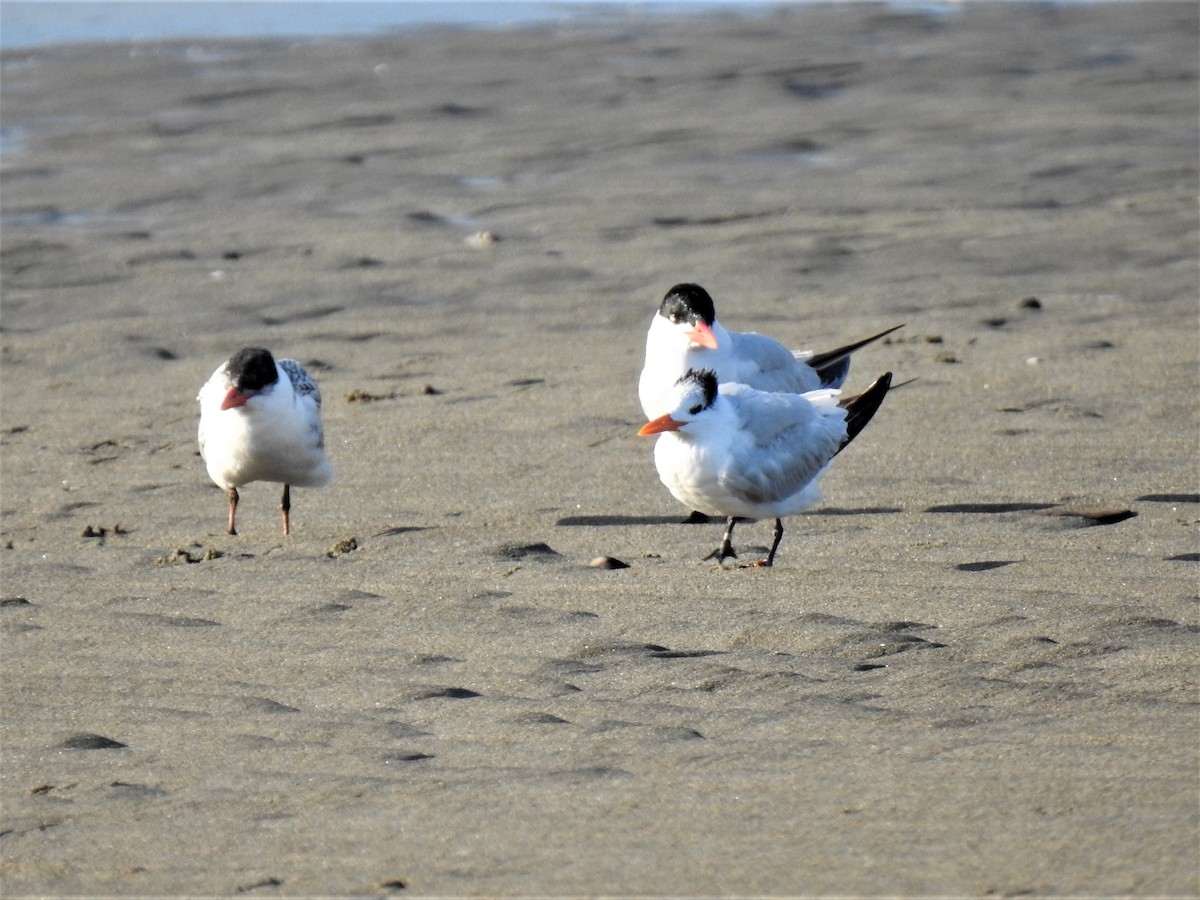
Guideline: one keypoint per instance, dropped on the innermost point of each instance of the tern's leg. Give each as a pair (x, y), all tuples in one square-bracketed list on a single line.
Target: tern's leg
[(285, 506), (725, 551), (233, 502), (777, 533)]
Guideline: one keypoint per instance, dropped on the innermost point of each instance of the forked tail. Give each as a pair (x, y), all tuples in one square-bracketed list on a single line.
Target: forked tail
[(861, 408), (832, 366)]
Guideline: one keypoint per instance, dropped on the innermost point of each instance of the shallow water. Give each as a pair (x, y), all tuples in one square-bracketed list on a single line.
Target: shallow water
[(36, 24)]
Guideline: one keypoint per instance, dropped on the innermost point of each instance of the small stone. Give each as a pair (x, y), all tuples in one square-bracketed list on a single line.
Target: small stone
[(482, 239), (1033, 361), (358, 395), (1030, 303), (349, 545), (608, 562)]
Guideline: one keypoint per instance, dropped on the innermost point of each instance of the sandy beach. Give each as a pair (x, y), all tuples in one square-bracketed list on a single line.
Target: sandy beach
[(972, 670)]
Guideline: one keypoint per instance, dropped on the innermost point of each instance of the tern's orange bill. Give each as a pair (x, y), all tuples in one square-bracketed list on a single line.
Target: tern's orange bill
[(703, 335), (234, 397), (659, 425)]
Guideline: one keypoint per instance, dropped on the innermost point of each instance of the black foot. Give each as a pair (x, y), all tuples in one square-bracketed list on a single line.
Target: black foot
[(722, 553), (725, 551), (695, 517)]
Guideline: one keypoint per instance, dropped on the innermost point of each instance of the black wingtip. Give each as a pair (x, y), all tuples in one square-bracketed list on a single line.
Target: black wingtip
[(832, 364), (861, 409)]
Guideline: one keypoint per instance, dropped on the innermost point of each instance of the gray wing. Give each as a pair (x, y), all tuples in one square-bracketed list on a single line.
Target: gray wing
[(302, 382), (767, 365), (306, 389), (785, 442)]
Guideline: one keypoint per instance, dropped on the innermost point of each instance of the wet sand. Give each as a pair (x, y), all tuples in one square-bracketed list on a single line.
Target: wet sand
[(972, 670)]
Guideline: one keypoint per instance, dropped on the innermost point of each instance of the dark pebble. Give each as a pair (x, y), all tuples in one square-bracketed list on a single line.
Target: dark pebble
[(520, 551), (407, 757), (85, 741), (983, 566)]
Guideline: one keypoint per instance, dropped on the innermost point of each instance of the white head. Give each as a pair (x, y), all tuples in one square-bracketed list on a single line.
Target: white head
[(691, 397)]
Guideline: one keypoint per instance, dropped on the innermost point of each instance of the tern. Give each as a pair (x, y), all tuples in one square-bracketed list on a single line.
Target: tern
[(260, 420), (733, 451), (685, 334)]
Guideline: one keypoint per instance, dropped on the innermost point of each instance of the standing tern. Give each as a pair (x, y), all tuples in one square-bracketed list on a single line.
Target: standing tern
[(731, 450), (685, 334), (260, 420)]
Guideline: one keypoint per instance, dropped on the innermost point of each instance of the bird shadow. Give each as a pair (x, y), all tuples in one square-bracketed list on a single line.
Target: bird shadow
[(857, 511), (618, 520), (676, 520)]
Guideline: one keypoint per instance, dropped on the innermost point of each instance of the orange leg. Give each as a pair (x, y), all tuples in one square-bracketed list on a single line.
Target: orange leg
[(285, 506), (233, 502)]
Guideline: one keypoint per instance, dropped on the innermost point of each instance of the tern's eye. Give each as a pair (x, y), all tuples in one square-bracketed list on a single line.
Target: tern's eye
[(695, 410), (676, 319)]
